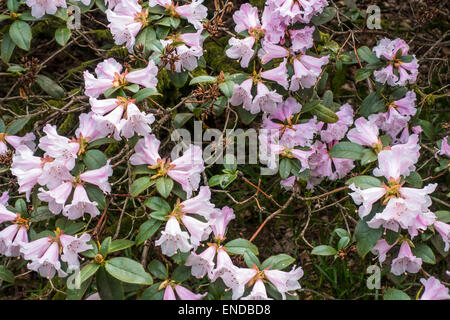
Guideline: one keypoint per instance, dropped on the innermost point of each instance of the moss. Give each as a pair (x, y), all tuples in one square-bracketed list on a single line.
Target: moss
[(69, 123), (112, 149), (258, 3), (101, 35)]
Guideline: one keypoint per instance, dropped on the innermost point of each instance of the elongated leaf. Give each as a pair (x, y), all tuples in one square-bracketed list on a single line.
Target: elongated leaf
[(364, 182), (279, 261), (120, 244), (147, 229), (17, 125), (7, 47), (347, 150), (109, 288), (239, 246), (324, 250), (128, 270), (62, 35), (50, 87), (20, 33)]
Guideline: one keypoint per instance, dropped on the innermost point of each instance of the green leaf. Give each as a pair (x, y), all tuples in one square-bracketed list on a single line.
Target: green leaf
[(373, 103), (104, 248), (368, 156), (7, 47), (178, 78), (159, 206), (181, 273), (325, 114), (164, 186), (94, 159), (153, 293), (145, 38), (367, 55), (145, 93), (343, 242), (181, 118), (227, 88), (4, 17), (245, 116), (239, 246), (88, 271), (140, 185), (100, 142), (363, 74), (203, 79), (50, 87), (13, 5), (285, 168), (6, 275), (279, 262), (20, 33), (128, 270), (347, 150), (415, 180), (251, 260), (62, 36), (109, 288), (428, 129), (366, 237), (121, 244), (158, 269), (324, 250), (95, 194), (147, 229), (364, 182), (17, 125), (443, 216), (424, 252), (229, 162), (327, 15), (395, 294)]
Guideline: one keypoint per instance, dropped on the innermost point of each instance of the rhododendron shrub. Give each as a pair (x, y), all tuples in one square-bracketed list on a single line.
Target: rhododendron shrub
[(112, 186)]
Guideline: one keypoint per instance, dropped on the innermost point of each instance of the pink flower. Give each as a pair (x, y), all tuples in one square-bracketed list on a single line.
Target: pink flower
[(56, 197), (406, 106), (99, 177), (200, 204), (242, 94), (271, 51), (199, 231), (241, 49), (246, 18), (182, 58), (265, 100), (80, 205), (258, 292), (366, 198), (6, 215), (193, 12), (288, 183), (47, 263), (4, 198), (220, 221), (169, 294), (302, 10), (185, 294), (306, 71), (278, 75), (59, 147), (406, 261), (41, 7), (394, 163), (15, 142), (273, 23), (125, 22), (444, 231), (135, 122), (285, 281), (407, 71), (302, 39), (381, 249), (173, 239), (71, 246), (146, 151), (109, 76), (365, 133), (193, 39), (445, 147), (186, 169), (202, 263), (12, 238), (434, 290), (91, 128), (336, 131)]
